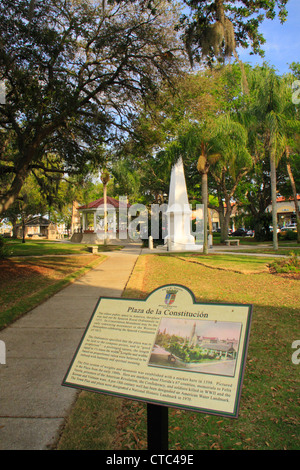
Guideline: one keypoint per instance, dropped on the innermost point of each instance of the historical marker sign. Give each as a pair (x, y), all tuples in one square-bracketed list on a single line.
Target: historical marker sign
[(167, 349)]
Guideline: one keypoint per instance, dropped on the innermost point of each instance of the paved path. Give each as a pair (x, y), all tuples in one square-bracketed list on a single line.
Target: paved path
[(39, 349)]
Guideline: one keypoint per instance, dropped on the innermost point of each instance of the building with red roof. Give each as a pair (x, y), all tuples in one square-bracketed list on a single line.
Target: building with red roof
[(92, 220)]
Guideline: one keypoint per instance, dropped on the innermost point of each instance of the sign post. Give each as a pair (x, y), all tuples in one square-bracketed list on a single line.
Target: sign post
[(157, 427), (166, 350)]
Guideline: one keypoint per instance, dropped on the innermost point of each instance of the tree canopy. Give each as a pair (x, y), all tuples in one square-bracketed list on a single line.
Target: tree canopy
[(74, 71), (77, 71)]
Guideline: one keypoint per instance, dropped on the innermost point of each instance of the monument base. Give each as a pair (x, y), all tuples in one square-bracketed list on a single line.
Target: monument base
[(173, 246)]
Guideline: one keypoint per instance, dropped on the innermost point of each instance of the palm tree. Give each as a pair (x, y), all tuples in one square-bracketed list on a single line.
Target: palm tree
[(294, 190), (200, 142), (206, 159), (219, 147), (232, 141), (271, 107)]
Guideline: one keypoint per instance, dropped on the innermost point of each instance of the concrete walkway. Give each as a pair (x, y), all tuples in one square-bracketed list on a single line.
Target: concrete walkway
[(39, 349)]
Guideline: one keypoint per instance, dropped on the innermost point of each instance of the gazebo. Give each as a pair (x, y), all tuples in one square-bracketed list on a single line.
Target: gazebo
[(97, 215)]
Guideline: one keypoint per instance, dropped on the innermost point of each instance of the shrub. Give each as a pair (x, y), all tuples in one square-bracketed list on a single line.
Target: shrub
[(291, 264), (288, 235)]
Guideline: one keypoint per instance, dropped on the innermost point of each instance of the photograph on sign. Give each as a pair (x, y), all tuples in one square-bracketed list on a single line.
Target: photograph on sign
[(210, 347), (166, 349)]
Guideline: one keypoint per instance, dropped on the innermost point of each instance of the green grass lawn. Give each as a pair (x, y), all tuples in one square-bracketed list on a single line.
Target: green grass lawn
[(269, 408), (34, 270), (260, 247), (27, 281), (47, 247)]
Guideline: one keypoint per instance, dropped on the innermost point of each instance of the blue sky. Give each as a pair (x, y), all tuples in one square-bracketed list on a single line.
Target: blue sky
[(282, 45)]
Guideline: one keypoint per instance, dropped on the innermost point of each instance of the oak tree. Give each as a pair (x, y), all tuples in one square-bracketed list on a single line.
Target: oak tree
[(74, 71)]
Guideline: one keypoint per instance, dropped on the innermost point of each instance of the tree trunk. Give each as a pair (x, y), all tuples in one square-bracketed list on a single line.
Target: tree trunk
[(274, 200), (23, 230), (7, 200), (224, 217), (227, 222), (222, 223), (205, 206), (293, 184), (210, 227), (15, 229), (22, 172)]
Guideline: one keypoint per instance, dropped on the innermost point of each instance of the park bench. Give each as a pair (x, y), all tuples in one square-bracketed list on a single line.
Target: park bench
[(93, 249), (232, 242)]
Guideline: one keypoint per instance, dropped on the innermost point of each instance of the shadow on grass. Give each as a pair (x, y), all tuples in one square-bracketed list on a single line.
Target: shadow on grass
[(26, 283)]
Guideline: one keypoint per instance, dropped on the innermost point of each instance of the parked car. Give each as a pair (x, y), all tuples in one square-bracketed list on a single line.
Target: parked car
[(292, 227), (240, 232), (250, 233)]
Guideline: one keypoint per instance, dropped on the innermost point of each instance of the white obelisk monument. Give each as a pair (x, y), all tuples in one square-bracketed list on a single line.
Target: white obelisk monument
[(179, 213)]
